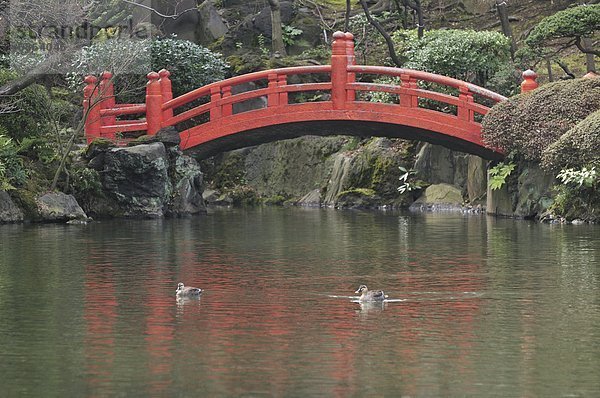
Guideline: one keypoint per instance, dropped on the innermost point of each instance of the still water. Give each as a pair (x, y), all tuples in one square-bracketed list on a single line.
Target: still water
[(481, 307)]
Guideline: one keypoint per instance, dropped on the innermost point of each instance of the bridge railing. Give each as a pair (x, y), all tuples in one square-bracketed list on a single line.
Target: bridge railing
[(341, 90)]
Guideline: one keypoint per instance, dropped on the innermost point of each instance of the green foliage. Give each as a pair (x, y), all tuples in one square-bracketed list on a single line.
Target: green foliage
[(191, 65), (568, 24), (262, 46), (579, 195), (407, 181), (585, 177), (464, 54), (499, 174), (27, 119), (290, 33), (577, 147), (85, 182), (529, 123), (12, 171), (479, 57)]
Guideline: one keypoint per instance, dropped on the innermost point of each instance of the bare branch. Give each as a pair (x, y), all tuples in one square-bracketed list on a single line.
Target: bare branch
[(155, 11), (583, 49), (383, 33)]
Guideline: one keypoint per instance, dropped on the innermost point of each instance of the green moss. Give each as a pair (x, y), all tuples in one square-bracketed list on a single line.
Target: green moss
[(276, 200), (357, 191), (244, 196), (381, 168), (230, 173)]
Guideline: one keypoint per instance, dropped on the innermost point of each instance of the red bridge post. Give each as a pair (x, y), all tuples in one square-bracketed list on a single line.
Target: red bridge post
[(339, 70), (91, 108), (350, 94), (463, 112), (107, 101), (154, 101), (166, 88)]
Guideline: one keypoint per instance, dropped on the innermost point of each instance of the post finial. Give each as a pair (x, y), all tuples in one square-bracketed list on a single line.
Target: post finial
[(529, 81)]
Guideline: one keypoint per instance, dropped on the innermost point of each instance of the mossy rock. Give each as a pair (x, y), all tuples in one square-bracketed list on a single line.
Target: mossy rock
[(98, 146), (358, 198)]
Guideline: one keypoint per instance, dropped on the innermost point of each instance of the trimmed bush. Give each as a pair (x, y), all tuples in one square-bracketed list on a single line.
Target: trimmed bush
[(577, 148), (191, 65), (529, 123)]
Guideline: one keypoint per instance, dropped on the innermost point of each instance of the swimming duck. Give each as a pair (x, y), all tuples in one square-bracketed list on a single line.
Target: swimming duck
[(189, 291), (366, 295)]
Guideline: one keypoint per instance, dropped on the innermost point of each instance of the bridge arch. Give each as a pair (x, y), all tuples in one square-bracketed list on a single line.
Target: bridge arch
[(213, 125)]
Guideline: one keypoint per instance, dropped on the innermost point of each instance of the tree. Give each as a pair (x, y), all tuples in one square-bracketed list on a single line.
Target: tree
[(501, 6), (566, 29), (276, 29)]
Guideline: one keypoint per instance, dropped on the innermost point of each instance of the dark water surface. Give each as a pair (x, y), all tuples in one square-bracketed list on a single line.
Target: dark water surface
[(482, 307)]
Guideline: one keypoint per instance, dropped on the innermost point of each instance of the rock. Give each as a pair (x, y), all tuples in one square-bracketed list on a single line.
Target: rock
[(311, 199), (476, 178), (57, 206), (437, 164), (262, 21), (338, 181), (187, 180), (210, 25), (169, 136), (210, 195), (251, 104), (439, 197), (358, 199), (528, 195), (137, 179), (290, 168), (534, 194), (499, 202), (9, 212)]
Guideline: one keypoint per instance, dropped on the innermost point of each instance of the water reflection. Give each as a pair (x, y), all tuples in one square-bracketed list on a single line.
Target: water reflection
[(472, 311)]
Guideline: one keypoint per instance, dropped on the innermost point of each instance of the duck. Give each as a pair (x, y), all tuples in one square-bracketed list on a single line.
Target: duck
[(189, 291), (366, 295)]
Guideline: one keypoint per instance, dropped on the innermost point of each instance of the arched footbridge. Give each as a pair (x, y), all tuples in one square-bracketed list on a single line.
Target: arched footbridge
[(210, 121)]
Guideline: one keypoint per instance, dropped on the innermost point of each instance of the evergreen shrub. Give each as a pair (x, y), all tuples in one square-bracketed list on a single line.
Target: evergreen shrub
[(529, 123), (578, 147)]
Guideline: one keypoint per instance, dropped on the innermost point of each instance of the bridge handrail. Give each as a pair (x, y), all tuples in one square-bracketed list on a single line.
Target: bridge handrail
[(237, 80), (426, 76)]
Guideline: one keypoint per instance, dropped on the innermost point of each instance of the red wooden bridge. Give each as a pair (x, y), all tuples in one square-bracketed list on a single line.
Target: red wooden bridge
[(209, 121)]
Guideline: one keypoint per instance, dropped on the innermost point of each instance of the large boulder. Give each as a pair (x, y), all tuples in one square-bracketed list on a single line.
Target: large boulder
[(137, 178), (439, 197), (188, 184), (148, 180), (58, 206), (527, 194), (210, 25), (439, 165), (9, 212)]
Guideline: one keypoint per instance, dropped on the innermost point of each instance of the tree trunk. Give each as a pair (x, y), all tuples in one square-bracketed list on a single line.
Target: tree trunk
[(14, 86), (505, 23), (590, 59), (347, 19), (415, 5), (421, 22), (276, 31)]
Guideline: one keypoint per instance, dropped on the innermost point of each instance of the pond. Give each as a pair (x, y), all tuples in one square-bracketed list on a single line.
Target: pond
[(478, 306)]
